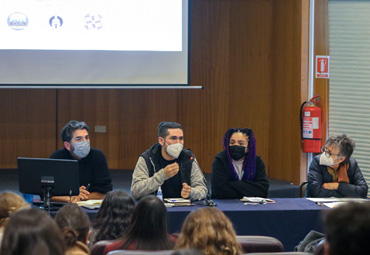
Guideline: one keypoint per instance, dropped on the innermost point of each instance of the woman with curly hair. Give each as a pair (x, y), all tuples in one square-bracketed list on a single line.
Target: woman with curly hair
[(237, 171), (209, 230), (113, 217), (75, 227)]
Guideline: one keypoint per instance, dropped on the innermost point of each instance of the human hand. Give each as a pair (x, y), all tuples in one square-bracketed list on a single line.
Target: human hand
[(331, 185), (171, 170), (186, 189), (84, 195)]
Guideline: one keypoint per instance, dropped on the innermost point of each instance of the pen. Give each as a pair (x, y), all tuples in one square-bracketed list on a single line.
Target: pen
[(88, 187)]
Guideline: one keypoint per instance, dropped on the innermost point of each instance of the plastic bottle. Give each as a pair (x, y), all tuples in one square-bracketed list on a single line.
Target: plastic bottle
[(160, 194)]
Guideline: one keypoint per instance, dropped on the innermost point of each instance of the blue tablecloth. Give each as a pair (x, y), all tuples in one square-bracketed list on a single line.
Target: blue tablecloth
[(289, 219)]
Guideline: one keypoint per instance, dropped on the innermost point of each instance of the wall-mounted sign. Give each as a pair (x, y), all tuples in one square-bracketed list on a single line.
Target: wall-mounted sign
[(322, 66)]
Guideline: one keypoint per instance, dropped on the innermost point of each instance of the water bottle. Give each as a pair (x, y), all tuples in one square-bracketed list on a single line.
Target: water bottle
[(160, 194)]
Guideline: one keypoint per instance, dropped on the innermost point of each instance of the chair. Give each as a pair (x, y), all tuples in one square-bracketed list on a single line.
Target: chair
[(98, 247), (303, 189), (279, 253), (136, 252), (260, 244)]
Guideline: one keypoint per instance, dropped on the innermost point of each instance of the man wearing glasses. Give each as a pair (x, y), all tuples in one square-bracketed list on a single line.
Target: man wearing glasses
[(334, 173)]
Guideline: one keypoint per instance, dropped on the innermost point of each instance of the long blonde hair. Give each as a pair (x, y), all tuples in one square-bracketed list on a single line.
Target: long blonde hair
[(209, 230)]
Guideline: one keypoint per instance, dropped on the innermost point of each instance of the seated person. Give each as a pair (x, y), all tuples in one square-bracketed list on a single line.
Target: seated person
[(74, 225), (94, 175), (348, 229), (9, 204), (237, 171), (148, 229), (114, 216), (210, 231), (334, 173), (167, 165), (32, 232)]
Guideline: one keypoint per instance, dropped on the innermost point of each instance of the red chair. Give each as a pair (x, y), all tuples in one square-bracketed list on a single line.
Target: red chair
[(98, 247), (260, 244), (136, 252)]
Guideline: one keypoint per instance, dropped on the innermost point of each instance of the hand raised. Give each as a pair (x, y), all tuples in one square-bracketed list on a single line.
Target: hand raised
[(171, 170)]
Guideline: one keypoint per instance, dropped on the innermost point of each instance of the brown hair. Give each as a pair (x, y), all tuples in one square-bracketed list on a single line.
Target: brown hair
[(10, 203), (32, 232), (73, 223), (209, 230)]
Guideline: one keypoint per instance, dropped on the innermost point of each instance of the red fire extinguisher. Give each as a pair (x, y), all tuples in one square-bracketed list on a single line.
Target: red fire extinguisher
[(311, 126)]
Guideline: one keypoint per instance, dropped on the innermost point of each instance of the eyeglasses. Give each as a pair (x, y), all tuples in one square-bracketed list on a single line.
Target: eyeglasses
[(327, 153)]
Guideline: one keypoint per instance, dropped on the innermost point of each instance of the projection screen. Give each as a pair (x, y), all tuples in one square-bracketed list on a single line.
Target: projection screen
[(94, 42)]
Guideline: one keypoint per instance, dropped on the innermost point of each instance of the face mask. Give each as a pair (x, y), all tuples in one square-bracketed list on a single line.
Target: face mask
[(237, 152), (82, 149), (325, 161), (174, 150)]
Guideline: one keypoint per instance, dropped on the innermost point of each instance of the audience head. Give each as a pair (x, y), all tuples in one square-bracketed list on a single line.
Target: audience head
[(32, 232), (73, 223), (348, 229), (10, 203), (209, 230), (148, 227), (114, 216), (341, 146), (240, 144)]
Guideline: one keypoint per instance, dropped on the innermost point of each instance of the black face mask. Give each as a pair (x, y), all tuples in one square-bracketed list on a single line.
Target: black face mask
[(237, 152)]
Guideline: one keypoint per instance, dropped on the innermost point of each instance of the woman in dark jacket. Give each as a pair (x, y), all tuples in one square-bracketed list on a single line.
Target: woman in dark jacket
[(237, 171)]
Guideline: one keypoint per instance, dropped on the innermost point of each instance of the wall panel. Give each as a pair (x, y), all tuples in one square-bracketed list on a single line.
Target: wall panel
[(27, 124)]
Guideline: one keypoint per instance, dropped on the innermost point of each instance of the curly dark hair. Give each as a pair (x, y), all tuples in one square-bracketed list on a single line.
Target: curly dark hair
[(114, 216)]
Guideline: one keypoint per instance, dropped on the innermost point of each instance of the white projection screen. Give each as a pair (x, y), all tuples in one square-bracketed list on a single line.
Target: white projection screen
[(54, 43)]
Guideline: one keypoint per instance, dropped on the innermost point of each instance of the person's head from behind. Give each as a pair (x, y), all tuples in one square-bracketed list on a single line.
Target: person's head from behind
[(74, 224), (148, 227), (209, 230), (32, 232), (171, 138), (240, 145), (76, 139), (114, 215), (348, 229), (338, 149), (9, 204)]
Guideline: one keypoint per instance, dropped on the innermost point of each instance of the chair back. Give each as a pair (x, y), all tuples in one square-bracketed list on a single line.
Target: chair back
[(137, 252), (302, 189), (98, 247), (279, 253), (260, 244)]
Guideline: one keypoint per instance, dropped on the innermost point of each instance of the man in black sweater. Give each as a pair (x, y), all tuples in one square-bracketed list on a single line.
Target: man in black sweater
[(95, 181)]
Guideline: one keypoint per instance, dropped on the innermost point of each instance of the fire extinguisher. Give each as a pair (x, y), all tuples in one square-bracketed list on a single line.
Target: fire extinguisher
[(310, 117)]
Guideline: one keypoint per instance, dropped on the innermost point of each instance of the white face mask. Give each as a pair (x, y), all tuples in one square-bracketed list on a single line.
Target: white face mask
[(175, 149), (82, 149), (326, 161)]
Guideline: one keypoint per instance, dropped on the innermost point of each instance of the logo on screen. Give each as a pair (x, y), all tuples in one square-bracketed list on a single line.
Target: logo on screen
[(17, 21), (56, 21), (93, 21)]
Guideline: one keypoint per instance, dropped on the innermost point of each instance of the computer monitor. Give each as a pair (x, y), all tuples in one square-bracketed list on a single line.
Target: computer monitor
[(48, 177)]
